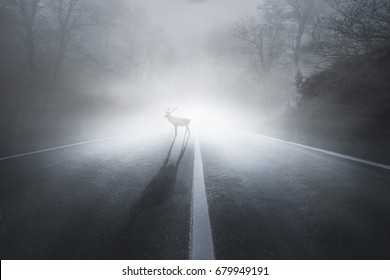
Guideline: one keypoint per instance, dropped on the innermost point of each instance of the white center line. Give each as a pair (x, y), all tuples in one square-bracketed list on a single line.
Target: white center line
[(201, 238)]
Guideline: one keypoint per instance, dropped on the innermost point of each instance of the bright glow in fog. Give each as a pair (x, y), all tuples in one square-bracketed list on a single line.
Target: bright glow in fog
[(211, 116), (202, 116), (190, 77), (205, 117), (203, 112)]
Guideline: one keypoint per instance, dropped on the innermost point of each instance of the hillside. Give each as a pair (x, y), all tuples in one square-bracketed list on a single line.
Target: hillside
[(345, 108)]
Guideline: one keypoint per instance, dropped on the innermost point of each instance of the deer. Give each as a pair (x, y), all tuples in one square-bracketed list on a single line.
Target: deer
[(176, 121)]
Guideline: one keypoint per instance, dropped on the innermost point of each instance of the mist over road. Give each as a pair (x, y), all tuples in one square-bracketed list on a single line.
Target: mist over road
[(130, 197)]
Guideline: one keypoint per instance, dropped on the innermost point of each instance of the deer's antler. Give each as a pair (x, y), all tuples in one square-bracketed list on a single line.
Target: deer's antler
[(170, 110)]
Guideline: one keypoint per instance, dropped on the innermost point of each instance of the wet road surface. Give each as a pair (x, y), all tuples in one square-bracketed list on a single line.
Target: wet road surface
[(131, 198), (127, 198), (271, 200)]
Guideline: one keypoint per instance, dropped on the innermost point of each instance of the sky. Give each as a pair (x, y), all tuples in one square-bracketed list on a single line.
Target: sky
[(189, 20)]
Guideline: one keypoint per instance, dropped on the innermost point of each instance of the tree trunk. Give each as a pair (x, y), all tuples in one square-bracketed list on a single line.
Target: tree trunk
[(298, 44), (60, 56)]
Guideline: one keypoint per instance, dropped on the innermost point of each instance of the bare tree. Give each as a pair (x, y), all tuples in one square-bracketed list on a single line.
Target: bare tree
[(127, 40), (3, 15), (28, 11), (71, 15), (303, 11), (6, 19), (366, 22), (353, 27), (134, 35), (263, 36)]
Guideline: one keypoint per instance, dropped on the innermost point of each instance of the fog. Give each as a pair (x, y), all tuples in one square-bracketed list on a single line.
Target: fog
[(79, 74), (186, 22), (195, 77), (143, 129)]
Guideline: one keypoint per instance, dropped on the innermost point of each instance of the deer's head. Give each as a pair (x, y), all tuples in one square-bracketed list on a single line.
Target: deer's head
[(169, 111)]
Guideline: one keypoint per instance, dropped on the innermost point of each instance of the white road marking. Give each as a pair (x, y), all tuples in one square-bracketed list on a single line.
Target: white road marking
[(201, 238), (63, 147), (376, 164)]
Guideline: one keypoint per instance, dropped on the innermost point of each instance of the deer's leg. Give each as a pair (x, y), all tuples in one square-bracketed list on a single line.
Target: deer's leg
[(175, 130)]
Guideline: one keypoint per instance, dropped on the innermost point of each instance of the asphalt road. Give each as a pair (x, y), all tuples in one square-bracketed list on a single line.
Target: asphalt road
[(271, 200), (130, 198), (126, 198)]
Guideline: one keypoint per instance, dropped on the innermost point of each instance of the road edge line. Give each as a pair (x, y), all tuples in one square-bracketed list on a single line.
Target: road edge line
[(63, 147), (352, 158)]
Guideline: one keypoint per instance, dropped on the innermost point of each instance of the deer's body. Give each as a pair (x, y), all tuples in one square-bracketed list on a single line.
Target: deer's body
[(176, 121)]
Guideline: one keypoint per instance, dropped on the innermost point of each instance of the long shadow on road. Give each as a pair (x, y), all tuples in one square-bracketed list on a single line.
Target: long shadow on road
[(155, 229), (161, 187), (46, 215)]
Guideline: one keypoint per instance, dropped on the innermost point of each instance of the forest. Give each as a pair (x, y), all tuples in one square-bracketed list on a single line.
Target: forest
[(304, 70)]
